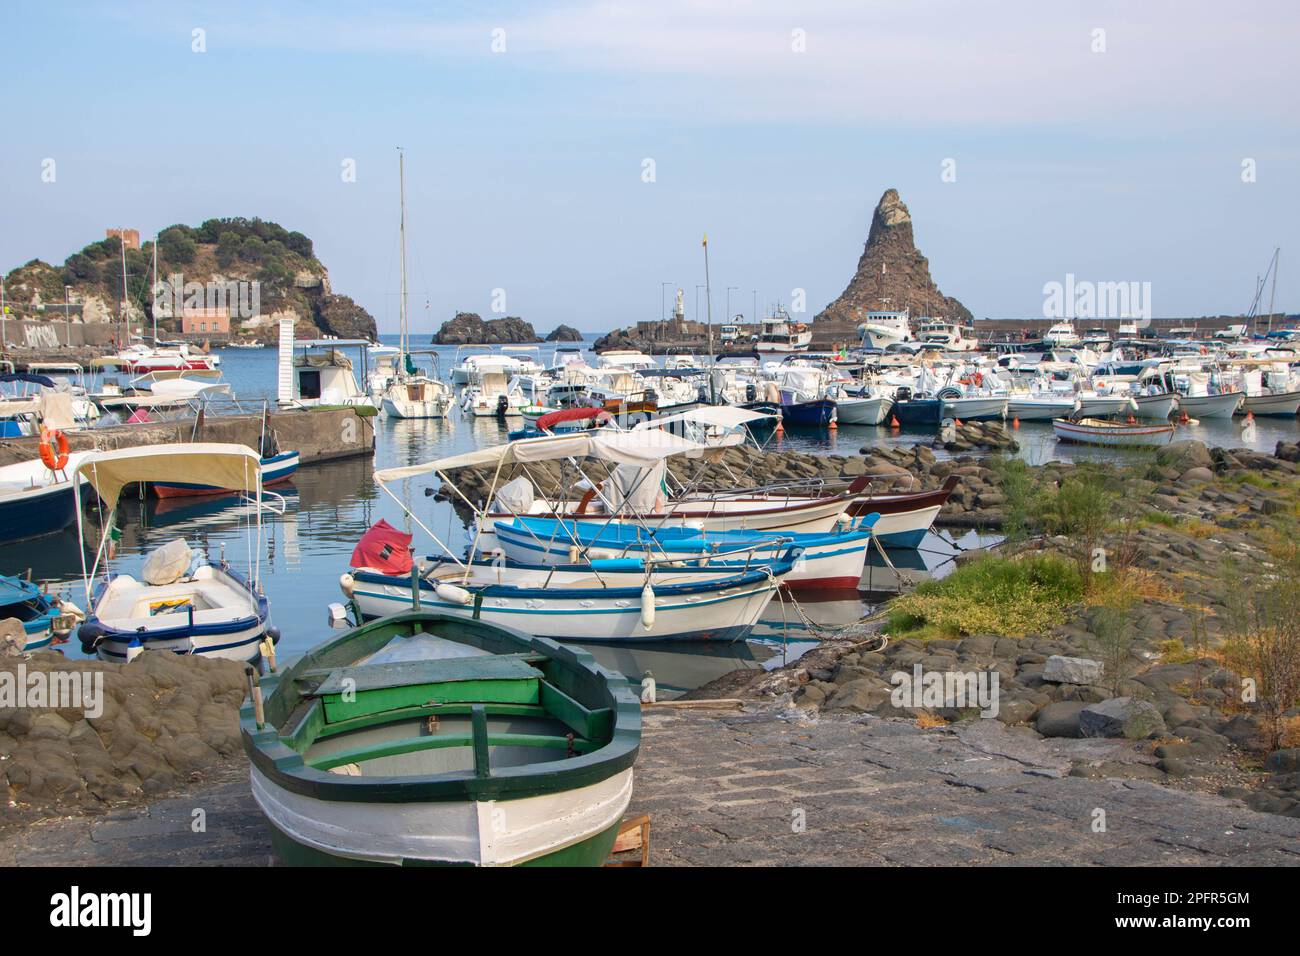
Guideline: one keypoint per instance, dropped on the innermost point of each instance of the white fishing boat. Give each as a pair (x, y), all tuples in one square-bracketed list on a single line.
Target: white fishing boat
[(1095, 431), (826, 561), (884, 328), (1040, 407), (1061, 335), (1221, 405), (181, 602), (1093, 404), (317, 373), (779, 335), (491, 394), (1158, 406)]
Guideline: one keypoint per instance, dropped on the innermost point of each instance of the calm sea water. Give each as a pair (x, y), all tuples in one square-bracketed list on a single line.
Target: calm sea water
[(328, 507)]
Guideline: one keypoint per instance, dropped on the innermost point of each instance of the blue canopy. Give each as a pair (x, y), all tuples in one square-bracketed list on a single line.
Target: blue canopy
[(27, 377)]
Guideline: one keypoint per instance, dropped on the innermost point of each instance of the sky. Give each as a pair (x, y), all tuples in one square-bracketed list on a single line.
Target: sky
[(574, 154)]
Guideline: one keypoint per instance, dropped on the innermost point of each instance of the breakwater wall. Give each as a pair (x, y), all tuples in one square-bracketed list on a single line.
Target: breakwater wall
[(317, 434)]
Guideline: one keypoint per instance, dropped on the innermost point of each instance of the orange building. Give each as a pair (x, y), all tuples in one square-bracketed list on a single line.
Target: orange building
[(198, 321), (130, 237)]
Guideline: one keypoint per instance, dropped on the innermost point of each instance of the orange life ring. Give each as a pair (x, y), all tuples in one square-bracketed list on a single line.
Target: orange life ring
[(50, 437)]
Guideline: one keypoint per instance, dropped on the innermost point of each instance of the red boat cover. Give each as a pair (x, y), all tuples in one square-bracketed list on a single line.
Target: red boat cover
[(570, 415), (383, 548)]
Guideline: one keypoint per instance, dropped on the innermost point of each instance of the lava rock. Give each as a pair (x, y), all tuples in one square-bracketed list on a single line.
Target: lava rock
[(1121, 717)]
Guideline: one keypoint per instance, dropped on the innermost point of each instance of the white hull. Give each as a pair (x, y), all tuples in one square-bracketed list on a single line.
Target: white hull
[(406, 409), (970, 408), (1155, 407), (480, 833), (1103, 406), (904, 526), (1210, 406), (1113, 436), (1038, 410), (862, 411), (1284, 404), (719, 615)]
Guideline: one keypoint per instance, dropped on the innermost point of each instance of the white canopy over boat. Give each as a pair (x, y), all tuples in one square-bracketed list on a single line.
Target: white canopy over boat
[(624, 448), (222, 465), (722, 416)]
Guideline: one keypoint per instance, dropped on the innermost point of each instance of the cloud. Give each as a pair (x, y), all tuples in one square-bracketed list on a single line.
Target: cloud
[(924, 63)]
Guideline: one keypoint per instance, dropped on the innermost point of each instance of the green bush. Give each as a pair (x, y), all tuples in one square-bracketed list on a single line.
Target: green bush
[(992, 595)]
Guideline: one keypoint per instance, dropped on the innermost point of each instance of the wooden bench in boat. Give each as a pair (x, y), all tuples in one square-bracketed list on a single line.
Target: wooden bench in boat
[(503, 685)]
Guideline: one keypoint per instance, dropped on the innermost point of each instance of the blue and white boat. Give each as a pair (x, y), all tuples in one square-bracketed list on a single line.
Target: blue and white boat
[(599, 601), (45, 619), (36, 501), (181, 602), (828, 561), (275, 468)]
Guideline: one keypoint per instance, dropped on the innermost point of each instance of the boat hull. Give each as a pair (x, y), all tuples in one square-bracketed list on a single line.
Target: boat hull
[(904, 519), (863, 411), (1210, 406), (32, 513), (1115, 436), (1155, 407), (1102, 406), (1028, 410), (809, 414), (1279, 404), (274, 469), (975, 409), (832, 561), (436, 408), (574, 827), (592, 614)]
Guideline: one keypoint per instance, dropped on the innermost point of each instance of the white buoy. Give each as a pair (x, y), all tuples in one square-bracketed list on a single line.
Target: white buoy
[(346, 583), (647, 606), (453, 593), (648, 688)]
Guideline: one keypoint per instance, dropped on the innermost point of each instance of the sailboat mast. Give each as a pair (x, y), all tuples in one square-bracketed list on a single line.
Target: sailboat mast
[(125, 324), (1277, 255), (401, 181), (154, 310)]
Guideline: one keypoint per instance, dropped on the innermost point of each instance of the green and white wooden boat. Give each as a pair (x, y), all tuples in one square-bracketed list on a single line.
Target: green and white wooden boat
[(425, 739)]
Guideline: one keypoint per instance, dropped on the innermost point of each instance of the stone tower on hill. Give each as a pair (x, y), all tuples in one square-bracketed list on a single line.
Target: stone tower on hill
[(891, 268)]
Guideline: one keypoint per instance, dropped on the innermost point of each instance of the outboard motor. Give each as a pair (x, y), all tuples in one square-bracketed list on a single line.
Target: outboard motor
[(903, 394), (651, 396), (503, 406), (751, 392), (702, 395)]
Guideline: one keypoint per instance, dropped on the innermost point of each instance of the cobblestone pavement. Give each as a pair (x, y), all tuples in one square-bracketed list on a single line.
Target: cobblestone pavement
[(728, 788)]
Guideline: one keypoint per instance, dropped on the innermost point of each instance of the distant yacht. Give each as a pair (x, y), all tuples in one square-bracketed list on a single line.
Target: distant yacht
[(781, 336), (948, 336), (1061, 335), (885, 328)]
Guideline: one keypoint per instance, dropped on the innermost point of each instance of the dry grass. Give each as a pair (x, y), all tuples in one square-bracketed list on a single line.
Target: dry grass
[(926, 720)]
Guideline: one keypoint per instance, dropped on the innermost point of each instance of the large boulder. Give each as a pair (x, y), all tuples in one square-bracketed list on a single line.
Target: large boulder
[(1125, 717), (1182, 456), (1060, 719), (1071, 670)]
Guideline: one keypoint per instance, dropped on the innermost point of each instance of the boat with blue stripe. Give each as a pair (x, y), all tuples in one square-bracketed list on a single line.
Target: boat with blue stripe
[(275, 468), (44, 618), (828, 561)]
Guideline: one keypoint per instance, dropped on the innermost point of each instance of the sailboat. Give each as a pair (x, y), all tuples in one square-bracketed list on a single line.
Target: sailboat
[(410, 393)]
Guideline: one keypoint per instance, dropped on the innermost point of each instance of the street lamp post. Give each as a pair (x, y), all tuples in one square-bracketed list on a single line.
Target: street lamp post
[(663, 309)]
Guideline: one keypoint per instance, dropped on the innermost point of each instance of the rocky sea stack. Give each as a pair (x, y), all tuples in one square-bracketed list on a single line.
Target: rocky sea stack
[(565, 333), (892, 267), (466, 328)]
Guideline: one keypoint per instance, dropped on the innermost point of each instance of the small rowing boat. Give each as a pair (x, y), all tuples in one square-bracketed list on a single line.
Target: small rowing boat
[(428, 739), (1095, 431)]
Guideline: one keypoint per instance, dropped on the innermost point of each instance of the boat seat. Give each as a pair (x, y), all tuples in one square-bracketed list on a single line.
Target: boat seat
[(349, 692)]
